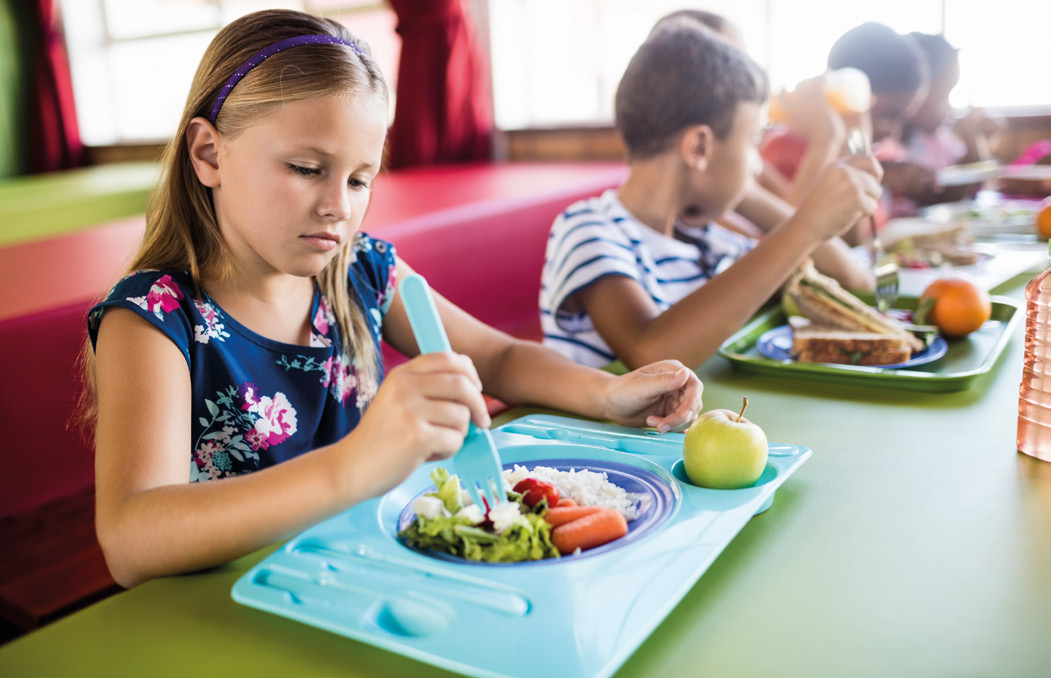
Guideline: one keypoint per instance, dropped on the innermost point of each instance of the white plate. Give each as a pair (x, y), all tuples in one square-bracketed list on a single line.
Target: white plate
[(997, 263), (970, 173), (988, 217)]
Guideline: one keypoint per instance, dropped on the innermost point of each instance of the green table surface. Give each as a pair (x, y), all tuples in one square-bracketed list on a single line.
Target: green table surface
[(39, 206), (916, 541)]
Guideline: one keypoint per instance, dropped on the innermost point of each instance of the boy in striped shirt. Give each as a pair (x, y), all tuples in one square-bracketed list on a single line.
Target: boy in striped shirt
[(623, 277)]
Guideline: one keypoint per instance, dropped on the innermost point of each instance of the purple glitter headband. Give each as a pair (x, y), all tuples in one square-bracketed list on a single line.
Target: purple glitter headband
[(273, 49)]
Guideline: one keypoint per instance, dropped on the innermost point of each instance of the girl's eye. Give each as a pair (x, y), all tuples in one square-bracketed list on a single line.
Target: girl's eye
[(304, 171), (357, 183)]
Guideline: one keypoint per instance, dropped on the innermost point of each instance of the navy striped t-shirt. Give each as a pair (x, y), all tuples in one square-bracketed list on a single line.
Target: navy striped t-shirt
[(598, 237)]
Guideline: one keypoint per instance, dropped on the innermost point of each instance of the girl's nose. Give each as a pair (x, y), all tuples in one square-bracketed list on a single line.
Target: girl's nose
[(335, 202)]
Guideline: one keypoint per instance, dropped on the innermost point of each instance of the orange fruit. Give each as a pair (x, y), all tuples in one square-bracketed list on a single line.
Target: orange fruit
[(956, 306), (1043, 221)]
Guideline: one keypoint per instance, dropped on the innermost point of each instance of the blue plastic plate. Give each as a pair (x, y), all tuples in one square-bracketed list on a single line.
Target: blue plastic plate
[(777, 345), (572, 617), (656, 500)]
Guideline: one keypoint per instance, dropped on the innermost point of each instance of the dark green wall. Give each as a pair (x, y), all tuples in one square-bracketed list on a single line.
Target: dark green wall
[(13, 90)]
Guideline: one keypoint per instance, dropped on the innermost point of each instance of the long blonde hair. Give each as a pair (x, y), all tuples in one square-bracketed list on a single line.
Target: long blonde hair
[(181, 228)]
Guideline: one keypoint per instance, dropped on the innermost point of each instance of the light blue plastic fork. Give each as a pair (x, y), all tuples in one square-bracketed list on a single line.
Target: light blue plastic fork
[(477, 463)]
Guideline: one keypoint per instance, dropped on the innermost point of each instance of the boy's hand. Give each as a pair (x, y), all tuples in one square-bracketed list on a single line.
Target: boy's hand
[(665, 395), (844, 192)]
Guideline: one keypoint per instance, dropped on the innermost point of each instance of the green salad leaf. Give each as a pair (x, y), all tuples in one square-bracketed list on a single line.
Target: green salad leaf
[(448, 489), (528, 538)]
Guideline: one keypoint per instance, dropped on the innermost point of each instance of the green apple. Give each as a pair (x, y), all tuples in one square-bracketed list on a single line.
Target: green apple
[(724, 451)]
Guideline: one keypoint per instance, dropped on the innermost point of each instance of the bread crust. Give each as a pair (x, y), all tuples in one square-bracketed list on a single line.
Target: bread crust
[(842, 356)]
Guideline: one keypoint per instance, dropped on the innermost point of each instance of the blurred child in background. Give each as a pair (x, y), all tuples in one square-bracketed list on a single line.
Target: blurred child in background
[(897, 79), (622, 278), (933, 138), (898, 75), (771, 199)]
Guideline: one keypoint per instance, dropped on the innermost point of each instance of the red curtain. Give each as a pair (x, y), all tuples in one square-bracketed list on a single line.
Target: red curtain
[(54, 138), (443, 112)]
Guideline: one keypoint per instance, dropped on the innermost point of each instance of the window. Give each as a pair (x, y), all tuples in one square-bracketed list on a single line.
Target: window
[(558, 63), (554, 62), (132, 61)]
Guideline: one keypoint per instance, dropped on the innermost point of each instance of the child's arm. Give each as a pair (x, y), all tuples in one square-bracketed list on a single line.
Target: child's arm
[(902, 177), (665, 395), (980, 135), (152, 522), (693, 329), (833, 257)]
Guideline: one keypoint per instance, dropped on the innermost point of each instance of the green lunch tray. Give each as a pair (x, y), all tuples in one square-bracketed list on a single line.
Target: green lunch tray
[(964, 360)]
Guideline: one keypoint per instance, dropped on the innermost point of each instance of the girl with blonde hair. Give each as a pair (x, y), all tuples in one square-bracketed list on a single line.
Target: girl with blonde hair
[(237, 390)]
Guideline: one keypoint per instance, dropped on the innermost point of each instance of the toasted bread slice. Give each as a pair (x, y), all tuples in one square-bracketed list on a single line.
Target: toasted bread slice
[(825, 302), (815, 343)]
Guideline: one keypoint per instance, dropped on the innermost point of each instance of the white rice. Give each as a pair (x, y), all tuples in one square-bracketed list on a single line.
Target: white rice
[(586, 488)]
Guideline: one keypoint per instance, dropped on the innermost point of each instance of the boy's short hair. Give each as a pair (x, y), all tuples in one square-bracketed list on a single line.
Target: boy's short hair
[(683, 75), (893, 62)]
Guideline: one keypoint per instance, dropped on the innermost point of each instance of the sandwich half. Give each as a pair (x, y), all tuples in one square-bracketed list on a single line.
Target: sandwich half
[(815, 343), (827, 304)]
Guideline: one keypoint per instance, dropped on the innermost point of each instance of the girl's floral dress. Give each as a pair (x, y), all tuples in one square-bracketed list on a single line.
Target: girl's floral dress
[(258, 402)]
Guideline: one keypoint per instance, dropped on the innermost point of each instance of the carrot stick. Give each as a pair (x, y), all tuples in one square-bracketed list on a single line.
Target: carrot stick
[(590, 531), (560, 515), (565, 501)]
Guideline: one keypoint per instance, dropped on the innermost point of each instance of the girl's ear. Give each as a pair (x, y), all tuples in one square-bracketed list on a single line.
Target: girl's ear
[(202, 140), (696, 145)]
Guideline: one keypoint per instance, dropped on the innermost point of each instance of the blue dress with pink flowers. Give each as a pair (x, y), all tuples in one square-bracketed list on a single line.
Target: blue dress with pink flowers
[(258, 402)]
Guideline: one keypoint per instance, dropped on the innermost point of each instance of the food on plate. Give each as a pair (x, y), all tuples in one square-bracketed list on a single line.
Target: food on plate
[(815, 343), (922, 243), (585, 487), (723, 450), (448, 522), (534, 491), (586, 532), (828, 306), (561, 515), (956, 306), (548, 513)]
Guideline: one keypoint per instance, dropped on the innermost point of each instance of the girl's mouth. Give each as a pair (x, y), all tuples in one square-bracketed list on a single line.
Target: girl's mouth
[(321, 241)]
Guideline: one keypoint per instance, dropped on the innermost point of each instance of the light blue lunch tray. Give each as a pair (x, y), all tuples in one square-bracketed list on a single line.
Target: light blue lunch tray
[(575, 617)]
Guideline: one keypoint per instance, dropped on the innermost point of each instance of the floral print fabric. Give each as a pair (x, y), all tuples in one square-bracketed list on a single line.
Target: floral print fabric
[(255, 401)]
